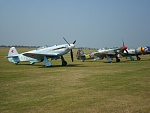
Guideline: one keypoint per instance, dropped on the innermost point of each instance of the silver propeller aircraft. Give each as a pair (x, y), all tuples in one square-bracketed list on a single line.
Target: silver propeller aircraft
[(114, 53), (147, 49), (42, 54), (101, 54), (136, 52)]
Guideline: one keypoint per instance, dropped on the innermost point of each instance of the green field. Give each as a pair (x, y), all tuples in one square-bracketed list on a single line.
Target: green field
[(80, 87)]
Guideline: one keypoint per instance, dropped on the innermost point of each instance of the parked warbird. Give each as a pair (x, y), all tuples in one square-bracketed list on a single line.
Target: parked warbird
[(42, 54), (136, 52), (101, 54), (147, 49)]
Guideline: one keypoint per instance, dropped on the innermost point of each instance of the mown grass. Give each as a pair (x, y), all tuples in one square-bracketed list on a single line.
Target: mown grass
[(90, 86)]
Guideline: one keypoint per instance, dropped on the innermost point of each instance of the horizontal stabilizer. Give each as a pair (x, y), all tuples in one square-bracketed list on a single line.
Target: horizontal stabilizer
[(11, 56)]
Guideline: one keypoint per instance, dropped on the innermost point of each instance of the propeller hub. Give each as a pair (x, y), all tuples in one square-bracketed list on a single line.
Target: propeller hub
[(142, 49), (71, 46)]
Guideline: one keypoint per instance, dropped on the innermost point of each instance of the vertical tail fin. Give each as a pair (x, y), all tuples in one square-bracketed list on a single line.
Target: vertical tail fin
[(12, 52), (13, 55)]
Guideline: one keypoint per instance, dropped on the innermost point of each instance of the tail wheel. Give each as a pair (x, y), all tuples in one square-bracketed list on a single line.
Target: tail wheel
[(16, 63), (82, 60)]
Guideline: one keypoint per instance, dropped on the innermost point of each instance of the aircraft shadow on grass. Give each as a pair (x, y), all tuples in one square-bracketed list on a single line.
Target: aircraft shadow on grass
[(59, 66), (54, 66), (123, 61)]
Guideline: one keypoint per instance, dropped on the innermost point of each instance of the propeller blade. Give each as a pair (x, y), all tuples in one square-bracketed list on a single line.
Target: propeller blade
[(74, 42), (71, 53), (66, 41), (126, 51), (123, 42)]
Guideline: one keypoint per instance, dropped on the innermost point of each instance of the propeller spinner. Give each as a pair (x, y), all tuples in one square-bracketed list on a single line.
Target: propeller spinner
[(124, 48)]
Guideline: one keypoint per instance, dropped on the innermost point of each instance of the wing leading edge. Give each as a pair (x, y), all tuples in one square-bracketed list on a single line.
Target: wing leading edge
[(40, 56)]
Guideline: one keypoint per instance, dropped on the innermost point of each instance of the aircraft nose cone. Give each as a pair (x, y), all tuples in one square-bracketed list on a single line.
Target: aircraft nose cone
[(71, 46), (142, 49), (124, 47)]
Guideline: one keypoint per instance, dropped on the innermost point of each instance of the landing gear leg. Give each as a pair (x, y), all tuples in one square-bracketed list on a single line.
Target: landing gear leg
[(47, 63), (117, 60), (108, 59), (64, 63), (138, 58), (131, 58)]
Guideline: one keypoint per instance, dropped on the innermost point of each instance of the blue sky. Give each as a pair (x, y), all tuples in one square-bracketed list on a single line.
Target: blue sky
[(93, 23)]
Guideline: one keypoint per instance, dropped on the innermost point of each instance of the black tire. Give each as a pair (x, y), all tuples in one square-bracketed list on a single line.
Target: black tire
[(64, 63), (138, 58), (117, 60)]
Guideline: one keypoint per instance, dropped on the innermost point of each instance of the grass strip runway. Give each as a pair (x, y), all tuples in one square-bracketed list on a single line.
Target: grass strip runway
[(90, 86)]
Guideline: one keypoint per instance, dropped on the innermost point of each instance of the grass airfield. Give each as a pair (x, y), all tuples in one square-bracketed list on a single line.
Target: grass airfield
[(84, 87)]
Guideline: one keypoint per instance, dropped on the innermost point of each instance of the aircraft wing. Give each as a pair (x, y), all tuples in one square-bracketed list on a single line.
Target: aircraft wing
[(102, 55), (97, 54), (40, 56)]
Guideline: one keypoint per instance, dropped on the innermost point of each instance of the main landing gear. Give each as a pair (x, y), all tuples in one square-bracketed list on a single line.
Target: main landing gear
[(64, 63), (48, 64), (138, 58), (117, 60)]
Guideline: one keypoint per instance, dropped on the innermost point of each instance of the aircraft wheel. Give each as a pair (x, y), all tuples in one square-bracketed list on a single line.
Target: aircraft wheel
[(138, 58), (64, 63), (117, 60), (82, 60), (16, 63)]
